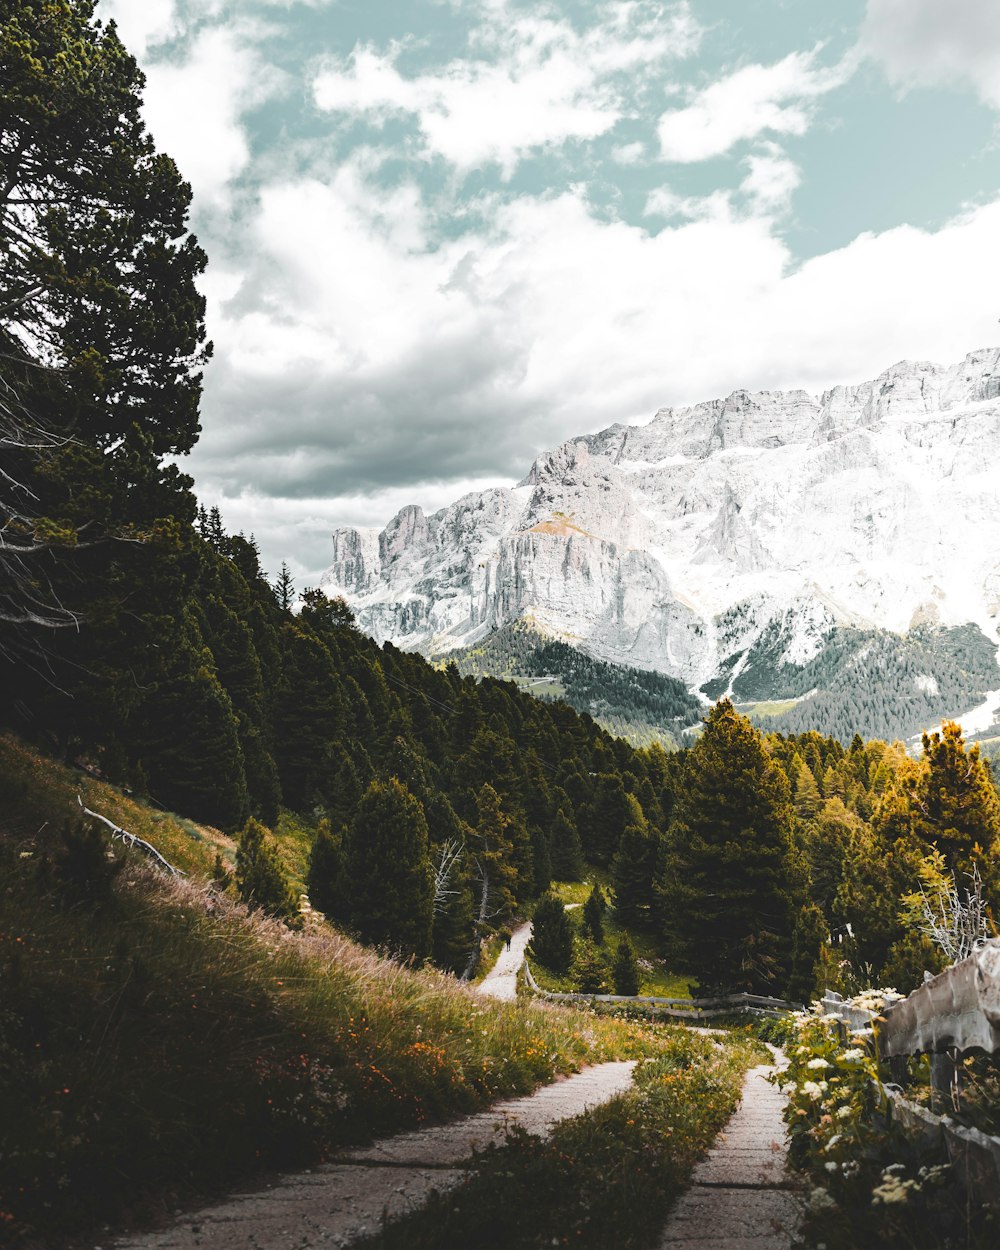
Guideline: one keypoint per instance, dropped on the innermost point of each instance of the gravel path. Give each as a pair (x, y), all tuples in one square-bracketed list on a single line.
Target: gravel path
[(741, 1196), (339, 1202), (501, 980)]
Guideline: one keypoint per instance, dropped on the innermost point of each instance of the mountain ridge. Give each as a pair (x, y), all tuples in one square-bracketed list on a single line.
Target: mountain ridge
[(682, 545)]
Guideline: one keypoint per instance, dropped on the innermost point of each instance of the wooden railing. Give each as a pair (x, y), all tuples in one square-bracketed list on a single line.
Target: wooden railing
[(949, 1015), (676, 1008), (958, 1010)]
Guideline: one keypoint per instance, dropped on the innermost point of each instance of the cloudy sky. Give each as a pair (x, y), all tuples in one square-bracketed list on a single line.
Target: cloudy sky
[(447, 234)]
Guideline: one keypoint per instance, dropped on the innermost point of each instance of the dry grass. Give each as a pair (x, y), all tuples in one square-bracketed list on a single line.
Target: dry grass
[(158, 1042)]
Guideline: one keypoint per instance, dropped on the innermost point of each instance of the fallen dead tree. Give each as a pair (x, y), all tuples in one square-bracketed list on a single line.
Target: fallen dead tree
[(132, 840)]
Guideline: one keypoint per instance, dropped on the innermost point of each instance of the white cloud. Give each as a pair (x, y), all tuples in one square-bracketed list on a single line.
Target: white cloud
[(666, 202), (194, 107), (753, 101), (772, 179), (360, 354), (141, 23), (534, 81), (929, 43), (629, 153)]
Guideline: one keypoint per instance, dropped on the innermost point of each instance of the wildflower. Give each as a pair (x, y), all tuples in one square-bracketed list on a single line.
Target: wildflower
[(892, 1190), (844, 1113), (816, 1065), (820, 1200), (854, 1055), (813, 1090)]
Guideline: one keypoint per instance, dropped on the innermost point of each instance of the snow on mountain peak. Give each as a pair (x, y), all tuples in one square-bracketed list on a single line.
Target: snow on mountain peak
[(676, 544)]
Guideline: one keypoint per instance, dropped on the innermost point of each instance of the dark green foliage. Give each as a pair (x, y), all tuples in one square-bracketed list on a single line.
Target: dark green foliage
[(608, 814), (810, 932), (958, 808), (189, 743), (566, 854), (325, 882), (454, 933), (726, 890), (868, 680), (590, 970), (628, 701), (552, 934), (593, 914), (260, 879), (389, 883), (625, 967), (632, 874)]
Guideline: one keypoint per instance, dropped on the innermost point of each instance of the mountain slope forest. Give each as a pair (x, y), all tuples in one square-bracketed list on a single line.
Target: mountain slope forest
[(143, 645), (142, 641)]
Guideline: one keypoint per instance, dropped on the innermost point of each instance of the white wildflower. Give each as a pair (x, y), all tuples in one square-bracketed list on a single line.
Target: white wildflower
[(816, 1065)]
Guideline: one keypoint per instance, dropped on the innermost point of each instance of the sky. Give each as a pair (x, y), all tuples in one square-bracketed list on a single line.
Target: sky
[(446, 235)]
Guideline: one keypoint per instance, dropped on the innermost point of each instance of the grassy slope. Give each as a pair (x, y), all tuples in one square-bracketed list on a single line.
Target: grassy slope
[(157, 1042)]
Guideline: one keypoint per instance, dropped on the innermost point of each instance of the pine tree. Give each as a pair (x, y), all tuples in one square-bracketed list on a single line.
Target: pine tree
[(552, 934), (454, 936), (625, 967), (957, 805), (590, 970), (493, 855), (808, 799), (593, 914), (567, 857), (284, 588), (261, 881), (389, 882), (725, 890), (609, 813), (811, 931), (325, 878), (632, 872)]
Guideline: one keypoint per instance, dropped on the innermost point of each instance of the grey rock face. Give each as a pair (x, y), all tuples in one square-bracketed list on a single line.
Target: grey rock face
[(674, 545)]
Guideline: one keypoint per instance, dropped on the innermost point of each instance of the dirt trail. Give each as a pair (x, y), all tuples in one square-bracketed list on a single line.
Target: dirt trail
[(339, 1202), (741, 1196)]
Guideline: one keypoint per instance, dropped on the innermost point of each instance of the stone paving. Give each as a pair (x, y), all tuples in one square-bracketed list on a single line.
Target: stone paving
[(333, 1205), (501, 980), (741, 1196)]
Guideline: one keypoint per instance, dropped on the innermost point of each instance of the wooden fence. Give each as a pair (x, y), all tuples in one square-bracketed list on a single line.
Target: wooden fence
[(676, 1008), (956, 1012)]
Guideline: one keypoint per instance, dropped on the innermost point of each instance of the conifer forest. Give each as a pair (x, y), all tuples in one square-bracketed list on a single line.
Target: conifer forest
[(144, 645)]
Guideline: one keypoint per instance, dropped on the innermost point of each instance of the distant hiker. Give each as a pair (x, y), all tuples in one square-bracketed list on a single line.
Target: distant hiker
[(505, 937)]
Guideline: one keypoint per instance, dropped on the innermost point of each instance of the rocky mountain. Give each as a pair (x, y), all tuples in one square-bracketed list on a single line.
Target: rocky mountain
[(744, 545)]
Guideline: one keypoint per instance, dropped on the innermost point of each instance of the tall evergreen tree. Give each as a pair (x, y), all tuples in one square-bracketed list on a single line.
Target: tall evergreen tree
[(325, 878), (726, 891), (593, 914), (957, 805), (625, 967), (633, 870), (389, 882), (552, 934), (567, 856)]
